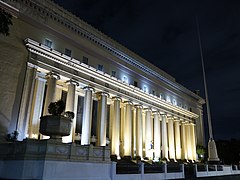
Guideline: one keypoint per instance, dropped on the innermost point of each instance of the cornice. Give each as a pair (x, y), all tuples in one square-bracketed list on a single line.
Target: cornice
[(44, 9)]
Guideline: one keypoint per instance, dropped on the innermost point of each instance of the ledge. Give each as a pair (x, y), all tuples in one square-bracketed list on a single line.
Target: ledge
[(31, 149)]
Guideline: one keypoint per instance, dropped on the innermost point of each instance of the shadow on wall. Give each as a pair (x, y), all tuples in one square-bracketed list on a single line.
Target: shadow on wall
[(3, 126)]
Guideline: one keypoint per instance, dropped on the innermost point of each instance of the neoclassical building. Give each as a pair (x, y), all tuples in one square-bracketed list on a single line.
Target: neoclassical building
[(119, 99)]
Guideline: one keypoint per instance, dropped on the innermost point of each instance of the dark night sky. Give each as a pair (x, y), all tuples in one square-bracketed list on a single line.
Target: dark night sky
[(164, 33)]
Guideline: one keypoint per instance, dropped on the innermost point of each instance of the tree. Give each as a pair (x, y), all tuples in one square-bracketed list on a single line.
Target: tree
[(5, 21)]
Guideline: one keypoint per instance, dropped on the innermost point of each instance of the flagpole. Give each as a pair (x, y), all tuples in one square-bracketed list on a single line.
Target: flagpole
[(212, 149)]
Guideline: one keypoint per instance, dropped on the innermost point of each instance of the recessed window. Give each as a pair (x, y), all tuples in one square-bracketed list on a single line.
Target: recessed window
[(185, 107), (174, 102), (153, 92), (48, 43), (162, 96), (135, 83), (145, 88), (113, 73), (125, 80), (100, 67), (180, 104), (68, 52), (168, 99), (85, 60)]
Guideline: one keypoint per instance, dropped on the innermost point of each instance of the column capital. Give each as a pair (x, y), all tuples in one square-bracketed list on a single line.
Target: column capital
[(138, 106), (88, 88), (128, 102), (156, 113), (40, 76), (102, 93), (117, 98), (177, 120), (163, 115), (52, 75), (30, 65), (148, 109), (72, 81)]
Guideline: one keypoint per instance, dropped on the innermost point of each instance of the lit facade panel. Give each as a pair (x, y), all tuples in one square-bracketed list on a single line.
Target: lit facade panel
[(115, 92)]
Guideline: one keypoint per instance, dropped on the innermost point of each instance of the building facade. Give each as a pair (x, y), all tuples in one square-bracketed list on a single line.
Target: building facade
[(119, 99)]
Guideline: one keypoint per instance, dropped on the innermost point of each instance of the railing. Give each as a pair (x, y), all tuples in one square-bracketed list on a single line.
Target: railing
[(129, 170), (205, 170)]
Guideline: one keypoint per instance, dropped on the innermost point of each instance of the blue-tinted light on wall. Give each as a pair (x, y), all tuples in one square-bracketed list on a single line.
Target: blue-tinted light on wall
[(168, 99), (174, 102), (125, 79), (145, 89)]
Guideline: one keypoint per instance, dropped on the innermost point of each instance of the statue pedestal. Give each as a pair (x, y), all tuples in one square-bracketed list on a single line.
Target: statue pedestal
[(212, 152)]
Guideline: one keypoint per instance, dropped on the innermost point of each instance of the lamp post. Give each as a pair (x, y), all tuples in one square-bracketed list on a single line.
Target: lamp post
[(212, 149)]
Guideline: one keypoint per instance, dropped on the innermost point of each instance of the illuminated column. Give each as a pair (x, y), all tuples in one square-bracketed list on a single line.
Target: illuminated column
[(115, 135), (102, 119), (70, 104), (58, 92), (87, 116), (26, 100), (139, 140), (123, 109), (164, 137), (157, 136), (36, 107), (148, 134), (74, 121), (144, 134), (177, 139), (128, 130), (189, 141), (51, 88), (134, 132), (184, 141), (171, 144), (192, 131)]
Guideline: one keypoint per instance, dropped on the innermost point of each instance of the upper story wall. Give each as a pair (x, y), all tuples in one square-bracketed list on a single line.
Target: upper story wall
[(41, 20)]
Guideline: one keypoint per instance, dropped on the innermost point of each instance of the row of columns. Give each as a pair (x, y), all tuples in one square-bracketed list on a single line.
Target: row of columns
[(142, 133), (143, 136)]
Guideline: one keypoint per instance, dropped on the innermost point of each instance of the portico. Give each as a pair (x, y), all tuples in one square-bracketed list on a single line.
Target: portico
[(162, 130)]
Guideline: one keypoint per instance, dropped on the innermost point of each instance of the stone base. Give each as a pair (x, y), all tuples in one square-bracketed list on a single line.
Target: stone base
[(212, 152), (51, 159), (54, 170)]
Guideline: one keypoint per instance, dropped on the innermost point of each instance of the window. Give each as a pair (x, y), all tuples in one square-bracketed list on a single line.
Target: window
[(85, 60), (174, 102), (162, 96), (180, 104), (48, 43), (100, 67), (135, 83), (168, 99), (145, 88), (113, 73), (68, 52), (153, 92), (125, 80)]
